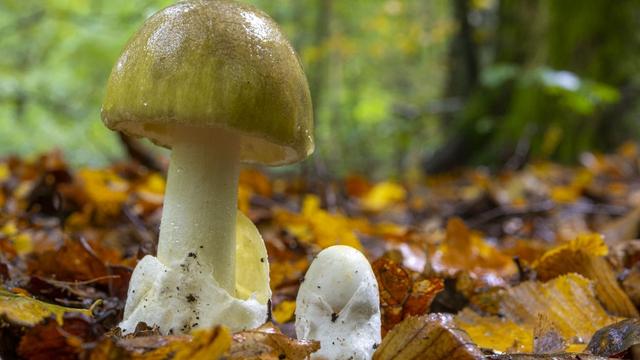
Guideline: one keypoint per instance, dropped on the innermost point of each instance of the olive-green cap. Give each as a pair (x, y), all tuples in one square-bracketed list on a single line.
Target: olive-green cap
[(213, 63)]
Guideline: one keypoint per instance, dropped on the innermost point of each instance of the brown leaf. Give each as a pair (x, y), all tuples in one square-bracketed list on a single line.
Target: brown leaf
[(563, 356), (615, 339), (546, 339), (427, 337), (52, 341), (622, 229), (465, 250), (400, 295), (268, 343)]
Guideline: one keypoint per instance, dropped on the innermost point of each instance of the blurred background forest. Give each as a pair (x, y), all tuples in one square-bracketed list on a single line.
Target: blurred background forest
[(399, 86)]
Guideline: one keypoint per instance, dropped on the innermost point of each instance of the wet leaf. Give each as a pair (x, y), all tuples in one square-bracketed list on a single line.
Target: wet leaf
[(427, 337), (400, 295), (53, 340), (24, 310), (615, 339)]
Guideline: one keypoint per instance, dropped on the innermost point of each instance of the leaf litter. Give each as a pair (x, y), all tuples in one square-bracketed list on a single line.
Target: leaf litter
[(539, 263)]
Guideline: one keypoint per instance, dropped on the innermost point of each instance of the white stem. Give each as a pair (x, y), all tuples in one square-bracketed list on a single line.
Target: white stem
[(199, 214)]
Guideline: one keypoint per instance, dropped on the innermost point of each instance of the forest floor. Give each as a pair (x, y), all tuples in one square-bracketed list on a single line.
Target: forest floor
[(514, 265)]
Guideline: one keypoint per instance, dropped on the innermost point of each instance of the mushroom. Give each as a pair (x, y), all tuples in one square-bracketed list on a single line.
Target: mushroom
[(218, 83), (338, 305)]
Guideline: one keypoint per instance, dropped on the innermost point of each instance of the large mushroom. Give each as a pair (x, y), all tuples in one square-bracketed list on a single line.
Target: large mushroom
[(218, 83)]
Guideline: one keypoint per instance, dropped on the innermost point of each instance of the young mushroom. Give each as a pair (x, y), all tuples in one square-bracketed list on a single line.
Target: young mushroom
[(338, 304), (218, 83)]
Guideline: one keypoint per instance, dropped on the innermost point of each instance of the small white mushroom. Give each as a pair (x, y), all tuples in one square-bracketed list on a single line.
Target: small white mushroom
[(338, 304)]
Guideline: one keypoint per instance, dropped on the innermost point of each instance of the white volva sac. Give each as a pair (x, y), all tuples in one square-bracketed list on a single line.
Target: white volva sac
[(182, 295), (338, 305)]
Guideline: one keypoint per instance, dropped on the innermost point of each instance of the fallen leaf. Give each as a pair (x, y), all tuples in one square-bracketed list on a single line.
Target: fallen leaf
[(427, 337), (317, 226), (465, 250), (546, 339), (400, 295), (622, 229), (268, 343), (283, 312), (615, 339), (382, 196), (585, 256), (201, 344), (53, 340), (496, 333), (567, 301), (24, 310)]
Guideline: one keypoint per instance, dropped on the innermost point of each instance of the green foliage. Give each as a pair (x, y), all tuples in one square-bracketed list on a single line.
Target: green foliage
[(379, 63)]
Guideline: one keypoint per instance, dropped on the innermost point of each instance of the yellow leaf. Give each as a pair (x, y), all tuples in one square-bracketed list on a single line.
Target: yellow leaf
[(202, 344), (590, 244), (23, 244), (488, 332), (284, 311), (568, 302), (106, 190), (383, 195), (27, 311), (317, 226), (9, 229), (585, 256), (205, 345), (5, 172)]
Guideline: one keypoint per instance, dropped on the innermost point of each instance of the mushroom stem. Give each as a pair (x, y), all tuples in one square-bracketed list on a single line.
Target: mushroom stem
[(199, 214)]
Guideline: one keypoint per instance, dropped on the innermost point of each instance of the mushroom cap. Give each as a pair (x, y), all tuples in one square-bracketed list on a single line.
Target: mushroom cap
[(213, 64)]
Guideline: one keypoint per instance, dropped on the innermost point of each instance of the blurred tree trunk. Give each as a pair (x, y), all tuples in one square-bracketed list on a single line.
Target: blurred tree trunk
[(506, 124), (318, 75)]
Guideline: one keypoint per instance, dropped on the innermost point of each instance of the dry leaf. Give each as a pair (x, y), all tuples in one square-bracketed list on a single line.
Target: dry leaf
[(567, 301), (585, 256), (427, 337), (268, 343), (24, 310)]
